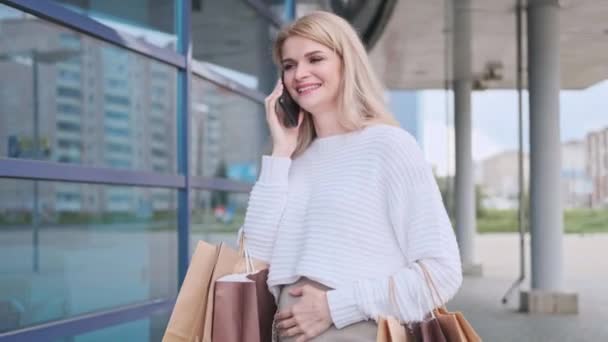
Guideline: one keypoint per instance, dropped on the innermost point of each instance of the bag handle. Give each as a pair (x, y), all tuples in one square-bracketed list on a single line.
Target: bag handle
[(392, 297), (242, 242), (393, 300), (244, 253), (432, 288)]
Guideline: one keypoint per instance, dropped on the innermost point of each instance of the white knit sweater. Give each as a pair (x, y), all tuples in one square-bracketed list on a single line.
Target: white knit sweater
[(353, 210)]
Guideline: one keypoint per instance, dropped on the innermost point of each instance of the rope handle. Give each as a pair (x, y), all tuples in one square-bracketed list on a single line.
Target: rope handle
[(393, 300), (432, 288), (244, 253)]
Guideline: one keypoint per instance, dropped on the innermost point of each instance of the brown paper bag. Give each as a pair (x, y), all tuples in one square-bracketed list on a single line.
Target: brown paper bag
[(228, 260), (441, 325), (390, 330), (244, 308), (453, 325), (430, 331), (191, 317), (467, 328)]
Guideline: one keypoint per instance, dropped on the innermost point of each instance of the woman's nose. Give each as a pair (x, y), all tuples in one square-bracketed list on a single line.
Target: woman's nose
[(301, 73)]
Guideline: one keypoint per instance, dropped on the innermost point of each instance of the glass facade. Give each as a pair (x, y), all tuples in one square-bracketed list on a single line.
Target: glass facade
[(96, 95), (147, 329), (217, 215), (227, 133), (236, 45), (73, 99), (61, 242), (150, 20)]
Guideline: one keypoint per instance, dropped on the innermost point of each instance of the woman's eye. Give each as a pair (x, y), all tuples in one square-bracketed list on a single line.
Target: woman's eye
[(315, 59), (286, 67)]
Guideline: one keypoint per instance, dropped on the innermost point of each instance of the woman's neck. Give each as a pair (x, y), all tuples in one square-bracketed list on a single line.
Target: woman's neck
[(326, 124)]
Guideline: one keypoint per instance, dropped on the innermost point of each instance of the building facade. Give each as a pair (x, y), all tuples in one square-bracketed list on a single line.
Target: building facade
[(576, 182), (597, 166), (499, 179)]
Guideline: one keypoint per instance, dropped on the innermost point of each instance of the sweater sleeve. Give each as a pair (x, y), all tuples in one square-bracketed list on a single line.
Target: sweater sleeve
[(266, 203), (424, 233)]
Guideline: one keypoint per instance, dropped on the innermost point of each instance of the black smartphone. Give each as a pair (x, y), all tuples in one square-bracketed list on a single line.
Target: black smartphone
[(287, 108)]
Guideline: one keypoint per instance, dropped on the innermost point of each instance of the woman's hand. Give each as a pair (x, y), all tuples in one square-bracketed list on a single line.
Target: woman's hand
[(306, 319), (284, 140)]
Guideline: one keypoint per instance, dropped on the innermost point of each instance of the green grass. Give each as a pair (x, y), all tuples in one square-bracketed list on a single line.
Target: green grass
[(576, 221), (586, 221), (208, 224), (497, 221)]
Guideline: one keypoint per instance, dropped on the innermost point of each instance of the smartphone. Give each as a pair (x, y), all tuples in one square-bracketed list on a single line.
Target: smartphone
[(287, 108)]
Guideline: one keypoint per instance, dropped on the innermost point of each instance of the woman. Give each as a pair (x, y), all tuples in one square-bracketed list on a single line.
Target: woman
[(346, 201)]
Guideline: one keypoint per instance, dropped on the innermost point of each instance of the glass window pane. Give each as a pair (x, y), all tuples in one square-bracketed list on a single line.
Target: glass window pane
[(149, 329), (68, 98), (368, 17), (150, 20), (229, 133), (69, 248), (235, 38), (216, 216)]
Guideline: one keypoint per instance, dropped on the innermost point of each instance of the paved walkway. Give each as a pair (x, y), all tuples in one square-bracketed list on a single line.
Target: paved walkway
[(585, 272)]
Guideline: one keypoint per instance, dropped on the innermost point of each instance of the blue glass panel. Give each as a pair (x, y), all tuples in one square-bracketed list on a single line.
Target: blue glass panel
[(216, 216), (150, 20), (69, 98), (228, 133), (235, 39), (149, 329), (68, 249)]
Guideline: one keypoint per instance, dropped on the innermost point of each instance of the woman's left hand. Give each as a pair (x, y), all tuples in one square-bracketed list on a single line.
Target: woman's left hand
[(306, 319)]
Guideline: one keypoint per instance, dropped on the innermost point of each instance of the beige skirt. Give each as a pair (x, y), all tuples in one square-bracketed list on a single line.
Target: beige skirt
[(365, 331)]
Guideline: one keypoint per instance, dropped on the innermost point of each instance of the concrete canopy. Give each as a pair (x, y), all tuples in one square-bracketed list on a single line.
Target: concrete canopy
[(411, 52)]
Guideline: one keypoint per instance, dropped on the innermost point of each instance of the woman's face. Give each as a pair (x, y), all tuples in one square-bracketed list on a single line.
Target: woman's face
[(311, 72)]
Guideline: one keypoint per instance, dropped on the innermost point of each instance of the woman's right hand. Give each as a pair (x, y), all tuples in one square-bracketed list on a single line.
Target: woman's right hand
[(284, 140)]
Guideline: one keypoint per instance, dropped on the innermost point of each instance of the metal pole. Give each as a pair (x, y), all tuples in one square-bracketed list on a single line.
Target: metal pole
[(447, 78), (522, 206), (183, 8), (36, 204)]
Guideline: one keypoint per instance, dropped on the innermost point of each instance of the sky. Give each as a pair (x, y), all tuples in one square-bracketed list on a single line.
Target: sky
[(494, 115)]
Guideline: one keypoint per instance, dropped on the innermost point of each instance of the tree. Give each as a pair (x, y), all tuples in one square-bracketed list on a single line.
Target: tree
[(219, 197)]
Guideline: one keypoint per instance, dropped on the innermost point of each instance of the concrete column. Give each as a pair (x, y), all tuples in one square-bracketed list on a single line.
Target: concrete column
[(465, 186), (546, 219)]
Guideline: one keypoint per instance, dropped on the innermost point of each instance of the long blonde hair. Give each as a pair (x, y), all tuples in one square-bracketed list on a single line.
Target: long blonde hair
[(361, 99)]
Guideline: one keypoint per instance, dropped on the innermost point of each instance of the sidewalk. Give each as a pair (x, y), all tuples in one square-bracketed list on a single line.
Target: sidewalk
[(584, 273)]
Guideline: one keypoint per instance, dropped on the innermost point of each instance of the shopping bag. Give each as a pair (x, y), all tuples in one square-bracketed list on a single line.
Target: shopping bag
[(453, 325), (191, 317), (244, 308)]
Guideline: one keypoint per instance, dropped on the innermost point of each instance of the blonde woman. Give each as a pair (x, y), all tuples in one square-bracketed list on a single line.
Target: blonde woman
[(346, 201)]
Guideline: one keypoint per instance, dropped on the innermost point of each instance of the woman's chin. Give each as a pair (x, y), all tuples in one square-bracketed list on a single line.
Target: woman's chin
[(311, 106)]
